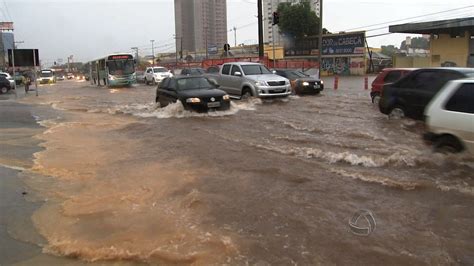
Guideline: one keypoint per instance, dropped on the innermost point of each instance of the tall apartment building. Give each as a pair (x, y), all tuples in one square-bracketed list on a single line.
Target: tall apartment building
[(199, 22), (270, 6)]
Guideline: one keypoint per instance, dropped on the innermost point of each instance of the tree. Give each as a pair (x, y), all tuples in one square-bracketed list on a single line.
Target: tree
[(417, 43), (297, 20), (389, 50)]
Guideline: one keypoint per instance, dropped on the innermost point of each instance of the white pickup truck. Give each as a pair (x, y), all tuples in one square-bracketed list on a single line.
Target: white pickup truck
[(155, 75), (245, 79)]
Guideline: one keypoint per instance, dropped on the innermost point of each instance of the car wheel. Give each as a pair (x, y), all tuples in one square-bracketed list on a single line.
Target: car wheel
[(376, 99), (447, 144), (246, 94), (146, 81), (397, 112), (4, 90)]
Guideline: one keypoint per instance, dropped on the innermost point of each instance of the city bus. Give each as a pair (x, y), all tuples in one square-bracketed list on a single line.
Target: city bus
[(113, 70)]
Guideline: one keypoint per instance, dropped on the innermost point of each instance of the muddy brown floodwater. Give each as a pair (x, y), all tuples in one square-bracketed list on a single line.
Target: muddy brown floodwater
[(268, 182)]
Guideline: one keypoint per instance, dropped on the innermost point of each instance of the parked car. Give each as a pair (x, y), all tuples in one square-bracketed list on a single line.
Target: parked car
[(450, 117), (196, 93), (156, 74), (9, 78), (193, 71), (60, 77), (301, 83), (5, 85), (213, 69), (410, 95), (245, 79), (387, 76), (140, 76)]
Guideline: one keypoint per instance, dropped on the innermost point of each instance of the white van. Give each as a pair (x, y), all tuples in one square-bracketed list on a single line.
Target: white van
[(450, 117)]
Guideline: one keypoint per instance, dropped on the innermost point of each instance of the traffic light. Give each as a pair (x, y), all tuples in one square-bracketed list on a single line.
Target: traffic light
[(276, 18)]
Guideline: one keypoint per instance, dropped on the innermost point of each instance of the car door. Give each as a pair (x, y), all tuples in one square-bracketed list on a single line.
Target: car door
[(170, 94), (235, 82), (416, 88), (224, 80), (149, 74)]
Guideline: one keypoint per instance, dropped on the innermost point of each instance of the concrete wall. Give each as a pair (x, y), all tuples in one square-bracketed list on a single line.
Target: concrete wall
[(410, 61), (447, 49)]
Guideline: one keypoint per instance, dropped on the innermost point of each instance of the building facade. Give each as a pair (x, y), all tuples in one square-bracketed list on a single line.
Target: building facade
[(6, 42), (200, 24), (270, 6)]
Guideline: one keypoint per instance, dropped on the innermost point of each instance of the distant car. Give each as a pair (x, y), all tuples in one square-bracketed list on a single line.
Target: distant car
[(301, 83), (196, 93), (450, 118), (70, 76), (60, 77), (9, 78), (213, 69), (387, 76), (5, 85), (409, 96), (140, 76), (193, 71), (155, 75)]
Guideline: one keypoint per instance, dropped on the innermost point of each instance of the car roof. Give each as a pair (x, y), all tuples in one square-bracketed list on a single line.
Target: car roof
[(243, 63), (187, 76), (464, 70), (400, 68)]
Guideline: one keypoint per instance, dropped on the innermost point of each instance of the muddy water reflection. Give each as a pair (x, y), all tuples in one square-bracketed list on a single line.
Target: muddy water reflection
[(267, 182)]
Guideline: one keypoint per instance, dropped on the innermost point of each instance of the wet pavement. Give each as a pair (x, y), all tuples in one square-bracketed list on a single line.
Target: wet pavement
[(267, 182)]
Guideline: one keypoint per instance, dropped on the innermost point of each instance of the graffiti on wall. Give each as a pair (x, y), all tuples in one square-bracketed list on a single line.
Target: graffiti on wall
[(343, 66)]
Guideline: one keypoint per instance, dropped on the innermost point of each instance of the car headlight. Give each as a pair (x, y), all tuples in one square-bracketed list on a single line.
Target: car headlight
[(287, 82), (305, 83), (111, 77), (260, 83), (226, 97), (322, 82), (193, 100)]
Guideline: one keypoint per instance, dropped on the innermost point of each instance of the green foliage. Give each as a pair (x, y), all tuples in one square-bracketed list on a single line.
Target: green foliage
[(298, 20), (417, 43), (389, 50)]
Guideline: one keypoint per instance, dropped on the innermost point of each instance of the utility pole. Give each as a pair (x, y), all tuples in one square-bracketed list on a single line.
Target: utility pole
[(320, 41), (260, 29), (235, 36), (136, 53), (153, 51), (273, 34), (207, 52), (181, 49), (18, 42)]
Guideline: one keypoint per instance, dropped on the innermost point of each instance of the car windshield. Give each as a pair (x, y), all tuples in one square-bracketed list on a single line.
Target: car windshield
[(121, 67), (46, 74), (255, 70), (160, 70), (197, 71), (193, 84)]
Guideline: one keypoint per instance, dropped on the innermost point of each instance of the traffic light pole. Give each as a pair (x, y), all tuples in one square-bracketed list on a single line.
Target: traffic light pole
[(320, 41), (260, 29)]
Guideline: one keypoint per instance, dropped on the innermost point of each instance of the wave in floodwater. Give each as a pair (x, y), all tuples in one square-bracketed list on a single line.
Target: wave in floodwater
[(175, 110), (386, 181)]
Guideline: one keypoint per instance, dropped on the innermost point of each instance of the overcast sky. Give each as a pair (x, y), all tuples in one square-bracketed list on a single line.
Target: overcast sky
[(89, 29)]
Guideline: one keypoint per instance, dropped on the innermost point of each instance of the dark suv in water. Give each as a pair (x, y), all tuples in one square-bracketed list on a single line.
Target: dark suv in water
[(410, 95)]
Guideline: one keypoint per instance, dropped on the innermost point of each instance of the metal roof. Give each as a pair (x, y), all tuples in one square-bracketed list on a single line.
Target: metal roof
[(451, 26)]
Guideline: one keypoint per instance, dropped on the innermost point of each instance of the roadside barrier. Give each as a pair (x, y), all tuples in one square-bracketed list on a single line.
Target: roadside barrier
[(336, 82), (366, 82)]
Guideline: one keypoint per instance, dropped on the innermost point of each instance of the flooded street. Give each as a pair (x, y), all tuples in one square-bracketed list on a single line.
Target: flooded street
[(271, 182)]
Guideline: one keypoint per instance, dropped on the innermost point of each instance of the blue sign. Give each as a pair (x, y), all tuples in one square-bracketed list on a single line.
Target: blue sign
[(344, 44)]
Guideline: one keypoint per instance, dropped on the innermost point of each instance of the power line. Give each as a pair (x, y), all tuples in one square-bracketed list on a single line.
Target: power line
[(8, 11), (431, 26), (399, 20)]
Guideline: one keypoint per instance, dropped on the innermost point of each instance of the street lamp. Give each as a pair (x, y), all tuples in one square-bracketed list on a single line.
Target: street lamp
[(153, 51)]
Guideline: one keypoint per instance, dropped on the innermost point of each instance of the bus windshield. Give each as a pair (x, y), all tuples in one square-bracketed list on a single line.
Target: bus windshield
[(46, 74), (121, 67)]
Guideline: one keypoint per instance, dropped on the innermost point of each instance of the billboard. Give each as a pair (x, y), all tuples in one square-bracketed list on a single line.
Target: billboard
[(6, 26), (333, 44), (23, 57), (344, 44)]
